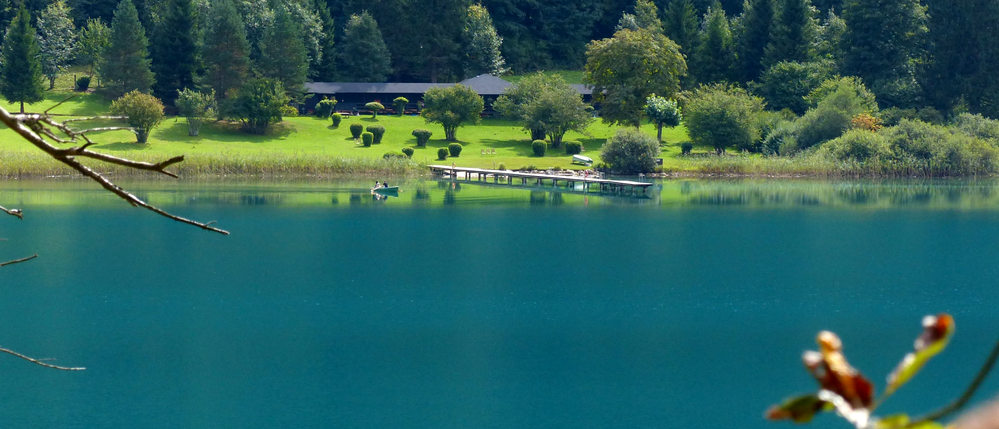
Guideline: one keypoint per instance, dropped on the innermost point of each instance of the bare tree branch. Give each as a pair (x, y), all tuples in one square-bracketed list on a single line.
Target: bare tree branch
[(960, 402), (38, 362), (27, 124), (17, 261), (13, 212)]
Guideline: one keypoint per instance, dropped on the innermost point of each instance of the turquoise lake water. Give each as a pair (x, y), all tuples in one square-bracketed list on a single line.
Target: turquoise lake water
[(472, 306)]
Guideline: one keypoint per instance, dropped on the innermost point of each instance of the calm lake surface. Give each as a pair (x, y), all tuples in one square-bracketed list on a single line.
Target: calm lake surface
[(483, 306)]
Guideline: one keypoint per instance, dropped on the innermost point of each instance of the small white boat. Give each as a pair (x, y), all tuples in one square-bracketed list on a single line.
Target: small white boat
[(580, 159)]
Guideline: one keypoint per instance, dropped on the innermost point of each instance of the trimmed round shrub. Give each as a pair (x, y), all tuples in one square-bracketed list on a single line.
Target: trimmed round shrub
[(422, 136), (337, 118), (686, 147), (442, 153), (501, 166), (289, 111), (408, 151), (572, 148), (324, 108), (143, 111), (356, 130), (378, 131), (83, 83), (454, 149), (374, 107), (539, 147), (367, 138), (631, 152), (400, 105)]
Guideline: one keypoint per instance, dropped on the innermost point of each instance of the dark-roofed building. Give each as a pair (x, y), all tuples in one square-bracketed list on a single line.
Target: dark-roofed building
[(352, 96)]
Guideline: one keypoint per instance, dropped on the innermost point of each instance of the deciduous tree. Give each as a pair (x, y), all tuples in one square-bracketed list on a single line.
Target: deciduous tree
[(94, 40), (57, 37), (722, 115), (662, 111), (451, 107)]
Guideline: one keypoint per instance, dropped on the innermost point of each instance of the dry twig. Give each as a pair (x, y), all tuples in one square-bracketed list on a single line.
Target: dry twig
[(17, 261), (38, 362)]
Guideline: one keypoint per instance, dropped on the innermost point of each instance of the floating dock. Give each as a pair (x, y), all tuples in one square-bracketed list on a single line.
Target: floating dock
[(508, 177)]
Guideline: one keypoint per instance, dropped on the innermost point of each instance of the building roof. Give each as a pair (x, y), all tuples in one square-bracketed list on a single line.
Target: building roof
[(483, 84)]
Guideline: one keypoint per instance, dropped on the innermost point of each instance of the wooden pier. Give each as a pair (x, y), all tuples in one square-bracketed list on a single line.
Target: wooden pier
[(508, 177)]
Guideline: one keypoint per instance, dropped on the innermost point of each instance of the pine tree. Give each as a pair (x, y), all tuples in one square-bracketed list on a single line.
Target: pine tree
[(792, 33), (715, 56), (283, 53), (681, 25), (647, 15), (883, 42), (757, 20), (173, 51), (84, 10), (226, 50), (57, 39), (21, 75), (326, 70), (363, 54), (125, 66), (482, 46), (7, 12)]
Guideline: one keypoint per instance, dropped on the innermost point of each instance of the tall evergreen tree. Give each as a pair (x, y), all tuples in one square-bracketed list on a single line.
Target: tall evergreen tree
[(792, 33), (647, 15), (482, 44), (226, 52), (174, 51), (57, 38), (883, 43), (21, 74), (125, 66), (363, 55), (756, 23), (94, 40), (326, 68), (7, 12), (283, 53), (681, 25), (87, 9), (715, 56)]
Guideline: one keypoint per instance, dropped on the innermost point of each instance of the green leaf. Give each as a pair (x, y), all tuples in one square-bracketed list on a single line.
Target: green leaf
[(800, 409), (937, 331), (897, 421)]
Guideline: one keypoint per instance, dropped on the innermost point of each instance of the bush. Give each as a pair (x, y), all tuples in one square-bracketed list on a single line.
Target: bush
[(378, 131), (785, 84), (356, 130), (978, 126), (686, 147), (454, 149), (721, 115), (324, 108), (408, 151), (501, 166), (83, 83), (422, 136), (143, 111), (196, 107), (442, 154), (400, 105), (258, 103), (539, 147), (289, 111), (780, 139), (393, 155), (857, 145), (374, 107), (837, 102), (572, 148), (631, 152), (337, 118), (367, 138)]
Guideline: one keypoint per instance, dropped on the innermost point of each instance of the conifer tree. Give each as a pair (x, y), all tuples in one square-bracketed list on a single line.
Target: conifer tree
[(7, 12), (482, 43), (57, 37), (21, 73), (174, 51), (94, 40), (125, 66), (792, 33), (226, 50), (647, 15), (326, 69), (283, 53), (715, 56), (363, 54), (681, 25), (757, 20)]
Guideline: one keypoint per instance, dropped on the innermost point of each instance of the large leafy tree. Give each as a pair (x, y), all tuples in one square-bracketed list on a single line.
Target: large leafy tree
[(363, 55), (226, 50), (451, 107), (754, 36), (627, 68), (284, 56), (174, 51), (883, 44), (21, 74), (715, 56), (721, 115), (512, 104), (482, 47), (125, 65), (546, 105), (93, 41), (792, 34), (57, 39)]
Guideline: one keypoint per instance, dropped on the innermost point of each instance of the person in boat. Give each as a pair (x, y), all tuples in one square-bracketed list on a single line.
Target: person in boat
[(377, 185), (385, 185)]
